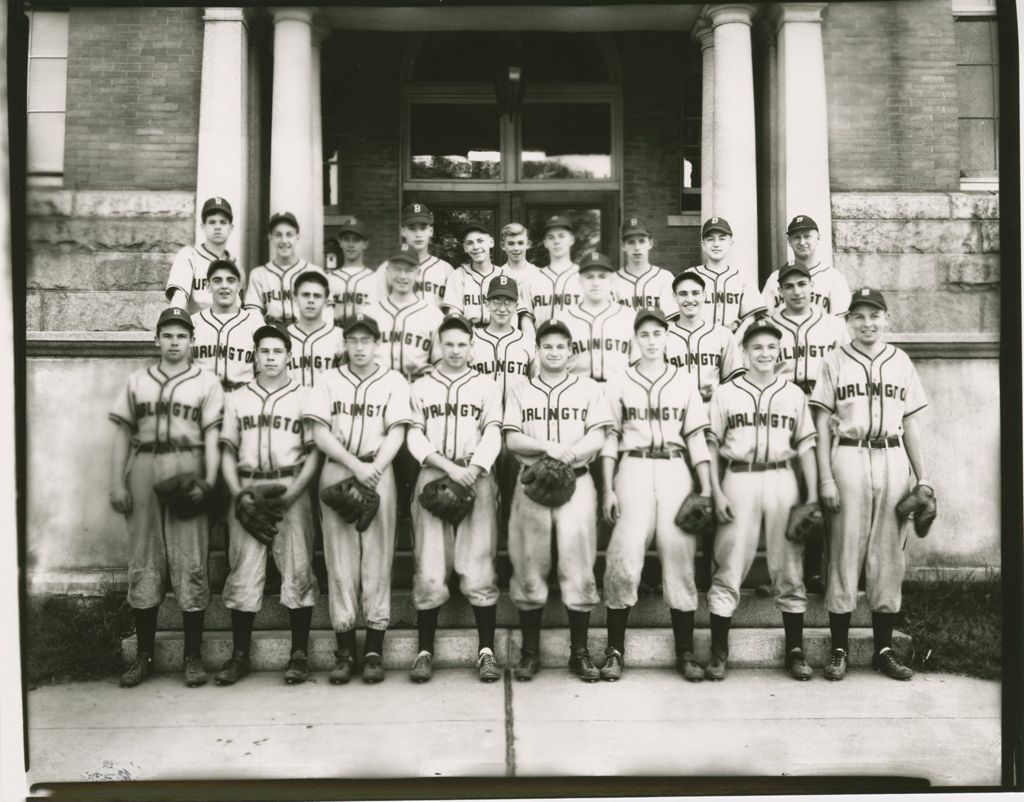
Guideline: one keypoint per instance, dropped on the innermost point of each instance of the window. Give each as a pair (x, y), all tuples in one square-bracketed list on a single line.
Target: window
[(977, 72), (689, 144), (47, 95)]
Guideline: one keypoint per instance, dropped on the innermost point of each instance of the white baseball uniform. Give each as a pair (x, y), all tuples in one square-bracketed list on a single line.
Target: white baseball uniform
[(829, 290), (459, 418), (314, 353), (869, 399), (651, 288), (430, 286), (224, 346), (466, 292), (709, 353), (563, 413), (603, 343), (547, 292), (408, 336), (352, 290), (805, 341), (758, 431), (653, 420), (359, 413), (168, 417), (507, 358), (271, 290), (189, 274), (728, 297), (266, 432)]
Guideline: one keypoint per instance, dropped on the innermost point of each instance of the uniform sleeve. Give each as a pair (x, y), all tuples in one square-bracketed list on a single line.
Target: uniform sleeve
[(180, 277), (839, 298), (732, 361), (695, 421), (123, 409), (229, 429), (915, 392), (398, 411), (804, 434), (453, 292), (667, 300), (213, 403), (751, 302), (253, 296), (613, 393), (824, 393), (525, 296), (770, 295), (842, 331), (317, 405), (512, 419), (599, 413), (416, 439), (716, 418)]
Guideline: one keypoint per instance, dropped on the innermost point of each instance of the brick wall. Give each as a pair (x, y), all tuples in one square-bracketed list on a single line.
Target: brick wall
[(133, 98), (652, 67), (892, 96)]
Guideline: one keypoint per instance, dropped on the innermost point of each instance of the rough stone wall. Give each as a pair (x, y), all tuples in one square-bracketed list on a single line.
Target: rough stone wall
[(133, 98), (934, 255)]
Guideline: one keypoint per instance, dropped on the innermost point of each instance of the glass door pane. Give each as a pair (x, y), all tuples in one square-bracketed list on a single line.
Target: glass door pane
[(450, 220), (595, 218)]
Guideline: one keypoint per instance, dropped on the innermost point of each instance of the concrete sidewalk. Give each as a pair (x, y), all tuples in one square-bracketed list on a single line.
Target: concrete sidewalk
[(757, 722)]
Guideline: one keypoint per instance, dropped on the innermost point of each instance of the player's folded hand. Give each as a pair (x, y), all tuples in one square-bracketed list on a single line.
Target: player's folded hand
[(561, 453), (828, 495), (463, 476), (121, 500), (367, 473), (610, 506), (723, 509)]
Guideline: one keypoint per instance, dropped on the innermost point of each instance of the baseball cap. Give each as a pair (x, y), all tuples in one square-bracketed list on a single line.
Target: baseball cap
[(417, 213), (282, 217), (272, 331), (474, 225), (761, 326), (801, 223), (557, 221), (223, 264), (217, 204), (595, 261), (174, 314), (792, 267), (719, 224), (503, 287), (649, 313), (688, 275), (405, 255), (553, 327), (866, 295), (352, 225), (634, 225), (456, 320), (360, 321), (312, 275)]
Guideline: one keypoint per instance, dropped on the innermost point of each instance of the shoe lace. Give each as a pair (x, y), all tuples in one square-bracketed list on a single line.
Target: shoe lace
[(838, 655), (487, 660), (585, 660)]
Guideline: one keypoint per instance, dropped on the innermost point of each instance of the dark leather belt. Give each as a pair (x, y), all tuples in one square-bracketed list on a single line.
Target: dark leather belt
[(369, 457), (162, 448), (673, 453), (807, 386), (878, 442), (245, 473), (757, 467), (580, 471), (228, 386)]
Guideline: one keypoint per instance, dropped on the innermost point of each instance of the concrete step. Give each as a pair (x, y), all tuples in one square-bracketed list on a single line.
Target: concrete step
[(645, 648), (650, 611)]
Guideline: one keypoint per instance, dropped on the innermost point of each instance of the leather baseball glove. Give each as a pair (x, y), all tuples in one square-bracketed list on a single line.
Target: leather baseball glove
[(549, 482), (177, 493), (448, 500), (806, 523), (259, 509), (696, 515), (353, 501), (919, 505)]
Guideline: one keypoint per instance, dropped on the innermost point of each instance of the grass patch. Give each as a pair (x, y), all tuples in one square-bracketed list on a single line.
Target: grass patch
[(75, 637), (956, 627)]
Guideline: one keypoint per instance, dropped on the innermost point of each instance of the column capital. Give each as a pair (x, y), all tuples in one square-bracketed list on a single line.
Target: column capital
[(225, 15), (703, 33), (321, 30), (734, 13), (296, 14), (781, 13)]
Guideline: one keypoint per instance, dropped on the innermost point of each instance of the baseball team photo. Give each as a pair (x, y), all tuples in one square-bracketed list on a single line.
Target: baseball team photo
[(506, 391)]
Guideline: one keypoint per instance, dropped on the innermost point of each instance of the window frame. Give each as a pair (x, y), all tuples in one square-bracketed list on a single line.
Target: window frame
[(974, 10), (49, 175)]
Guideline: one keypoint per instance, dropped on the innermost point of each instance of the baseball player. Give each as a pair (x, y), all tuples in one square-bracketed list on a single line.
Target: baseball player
[(638, 283), (223, 333), (271, 287), (563, 416), (707, 351), (359, 412), (556, 286), (317, 345), (417, 231), (167, 420), (187, 285), (830, 292), (264, 441), (353, 286), (601, 329), (658, 414), (456, 430), (759, 423), (515, 242), (730, 299), (874, 393)]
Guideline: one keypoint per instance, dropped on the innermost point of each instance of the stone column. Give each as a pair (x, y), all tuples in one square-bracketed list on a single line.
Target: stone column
[(222, 164), (320, 32), (291, 145), (735, 162), (803, 118), (703, 33)]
